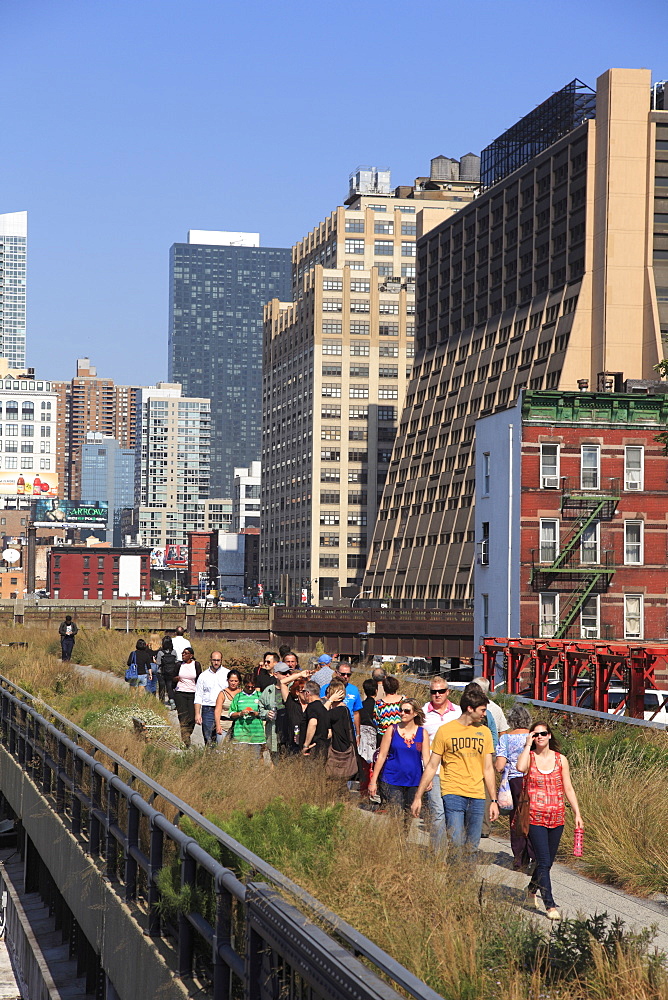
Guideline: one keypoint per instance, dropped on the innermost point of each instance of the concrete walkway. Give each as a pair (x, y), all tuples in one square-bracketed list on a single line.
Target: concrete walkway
[(574, 894), (9, 988)]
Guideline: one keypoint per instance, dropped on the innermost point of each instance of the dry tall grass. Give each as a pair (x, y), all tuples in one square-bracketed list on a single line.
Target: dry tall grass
[(429, 914)]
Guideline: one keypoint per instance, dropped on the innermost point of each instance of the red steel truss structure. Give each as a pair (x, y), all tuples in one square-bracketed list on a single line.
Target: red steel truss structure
[(531, 666)]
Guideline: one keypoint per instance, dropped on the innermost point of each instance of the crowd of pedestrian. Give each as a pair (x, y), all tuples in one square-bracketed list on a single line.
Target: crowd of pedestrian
[(438, 759)]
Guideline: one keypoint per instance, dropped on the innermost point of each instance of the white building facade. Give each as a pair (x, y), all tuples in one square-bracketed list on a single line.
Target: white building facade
[(13, 250)]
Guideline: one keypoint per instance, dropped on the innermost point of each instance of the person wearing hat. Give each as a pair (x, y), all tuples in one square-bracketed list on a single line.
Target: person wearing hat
[(67, 630), (324, 673), (272, 710)]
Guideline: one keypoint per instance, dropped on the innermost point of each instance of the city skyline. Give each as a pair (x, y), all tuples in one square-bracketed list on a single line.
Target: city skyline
[(104, 213)]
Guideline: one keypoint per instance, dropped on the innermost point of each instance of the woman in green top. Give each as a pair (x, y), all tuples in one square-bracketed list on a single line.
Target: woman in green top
[(245, 711)]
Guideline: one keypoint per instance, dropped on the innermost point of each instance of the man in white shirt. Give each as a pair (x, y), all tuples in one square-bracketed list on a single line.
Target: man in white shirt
[(437, 712), (179, 643), (209, 685)]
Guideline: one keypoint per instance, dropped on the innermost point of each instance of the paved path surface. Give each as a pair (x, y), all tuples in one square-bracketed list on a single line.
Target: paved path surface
[(145, 700), (9, 989), (575, 894)]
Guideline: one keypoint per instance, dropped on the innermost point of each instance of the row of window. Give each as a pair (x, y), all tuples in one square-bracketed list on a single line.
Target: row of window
[(384, 228), (381, 248), (12, 462), (590, 467), (590, 547), (386, 308), (333, 391), (359, 412), (590, 616), (361, 349), (361, 371)]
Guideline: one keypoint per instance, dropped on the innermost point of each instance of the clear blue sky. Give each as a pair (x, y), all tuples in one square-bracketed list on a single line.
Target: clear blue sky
[(127, 122)]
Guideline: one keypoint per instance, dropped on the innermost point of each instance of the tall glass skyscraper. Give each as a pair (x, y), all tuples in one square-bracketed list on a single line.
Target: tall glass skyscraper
[(13, 244), (108, 473), (219, 283)]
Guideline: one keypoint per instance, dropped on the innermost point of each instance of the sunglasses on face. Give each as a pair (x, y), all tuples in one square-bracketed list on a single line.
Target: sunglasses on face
[(439, 691), (407, 711), (344, 675), (540, 734)]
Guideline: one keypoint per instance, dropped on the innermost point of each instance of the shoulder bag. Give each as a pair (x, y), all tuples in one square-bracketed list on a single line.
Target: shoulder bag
[(521, 817), (342, 764), (131, 673)]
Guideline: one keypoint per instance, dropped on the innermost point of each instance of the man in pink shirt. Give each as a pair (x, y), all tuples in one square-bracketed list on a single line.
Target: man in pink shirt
[(437, 712)]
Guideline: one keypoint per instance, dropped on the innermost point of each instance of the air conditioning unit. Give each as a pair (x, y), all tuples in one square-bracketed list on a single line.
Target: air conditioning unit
[(590, 633), (550, 482), (631, 485)]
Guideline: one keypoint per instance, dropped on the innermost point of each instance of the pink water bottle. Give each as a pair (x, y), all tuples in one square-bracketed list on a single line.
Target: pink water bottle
[(578, 842)]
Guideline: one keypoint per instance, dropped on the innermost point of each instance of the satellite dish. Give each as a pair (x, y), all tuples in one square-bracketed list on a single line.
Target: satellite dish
[(11, 555)]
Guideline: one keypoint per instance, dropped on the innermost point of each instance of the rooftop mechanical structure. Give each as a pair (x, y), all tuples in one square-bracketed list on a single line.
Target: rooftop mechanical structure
[(554, 118)]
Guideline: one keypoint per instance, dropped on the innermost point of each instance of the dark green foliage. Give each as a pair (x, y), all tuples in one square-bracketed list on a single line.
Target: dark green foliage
[(567, 952)]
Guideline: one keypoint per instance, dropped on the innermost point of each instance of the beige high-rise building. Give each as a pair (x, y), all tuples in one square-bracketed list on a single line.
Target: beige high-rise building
[(335, 366), (89, 403), (557, 273)]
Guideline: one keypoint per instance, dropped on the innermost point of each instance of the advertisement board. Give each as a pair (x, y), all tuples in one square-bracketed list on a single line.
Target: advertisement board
[(28, 484), (51, 512), (171, 557)]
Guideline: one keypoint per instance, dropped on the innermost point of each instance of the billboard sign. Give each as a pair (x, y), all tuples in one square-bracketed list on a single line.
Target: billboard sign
[(49, 513), (170, 557), (24, 484)]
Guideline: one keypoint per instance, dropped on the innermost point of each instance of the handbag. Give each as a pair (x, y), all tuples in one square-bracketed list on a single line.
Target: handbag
[(504, 796), (131, 673), (342, 764)]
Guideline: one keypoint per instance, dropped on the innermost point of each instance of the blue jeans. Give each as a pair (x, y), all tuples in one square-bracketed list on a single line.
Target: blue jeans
[(545, 841), (436, 814), (67, 645), (208, 724), (463, 820)]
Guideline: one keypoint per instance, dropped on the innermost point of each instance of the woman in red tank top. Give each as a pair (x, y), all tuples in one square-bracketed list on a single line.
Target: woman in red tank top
[(548, 782)]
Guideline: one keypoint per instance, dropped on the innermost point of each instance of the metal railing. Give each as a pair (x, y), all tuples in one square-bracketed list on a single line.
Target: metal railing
[(228, 934)]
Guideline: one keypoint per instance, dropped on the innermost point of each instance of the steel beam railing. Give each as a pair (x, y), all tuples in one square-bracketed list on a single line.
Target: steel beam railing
[(223, 923)]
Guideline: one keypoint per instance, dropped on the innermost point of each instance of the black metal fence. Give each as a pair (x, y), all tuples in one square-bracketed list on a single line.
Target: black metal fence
[(233, 938)]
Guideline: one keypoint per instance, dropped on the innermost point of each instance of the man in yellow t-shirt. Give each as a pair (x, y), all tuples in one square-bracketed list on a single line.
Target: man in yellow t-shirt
[(463, 751)]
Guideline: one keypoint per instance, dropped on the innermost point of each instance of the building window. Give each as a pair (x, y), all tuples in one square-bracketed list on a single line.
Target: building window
[(354, 226), (388, 350), (388, 392), (549, 615), (332, 347), (407, 249), (408, 228), (589, 544), (354, 246), (388, 329), (329, 541), (329, 561), (633, 543), (549, 466), (359, 306), (485, 614), (590, 476), (485, 474), (332, 390), (329, 519), (358, 392), (633, 616), (388, 308), (332, 305), (359, 349), (360, 286), (484, 544), (359, 328), (383, 248), (332, 285), (549, 540), (634, 467), (589, 618)]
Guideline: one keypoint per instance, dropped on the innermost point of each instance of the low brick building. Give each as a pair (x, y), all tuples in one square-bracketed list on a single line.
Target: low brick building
[(572, 515), (81, 572)]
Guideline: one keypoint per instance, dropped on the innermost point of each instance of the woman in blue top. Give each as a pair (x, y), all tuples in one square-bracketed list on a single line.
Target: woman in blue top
[(508, 749), (404, 752)]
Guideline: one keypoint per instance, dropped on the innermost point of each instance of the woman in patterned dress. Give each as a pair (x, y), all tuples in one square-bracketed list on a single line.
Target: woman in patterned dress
[(388, 708), (548, 779)]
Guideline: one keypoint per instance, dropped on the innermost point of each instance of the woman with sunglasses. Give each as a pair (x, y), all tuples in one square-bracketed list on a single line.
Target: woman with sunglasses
[(404, 753), (548, 782)]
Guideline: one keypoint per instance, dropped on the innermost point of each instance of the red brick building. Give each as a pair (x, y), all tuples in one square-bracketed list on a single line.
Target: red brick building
[(202, 558), (80, 572), (572, 516)]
